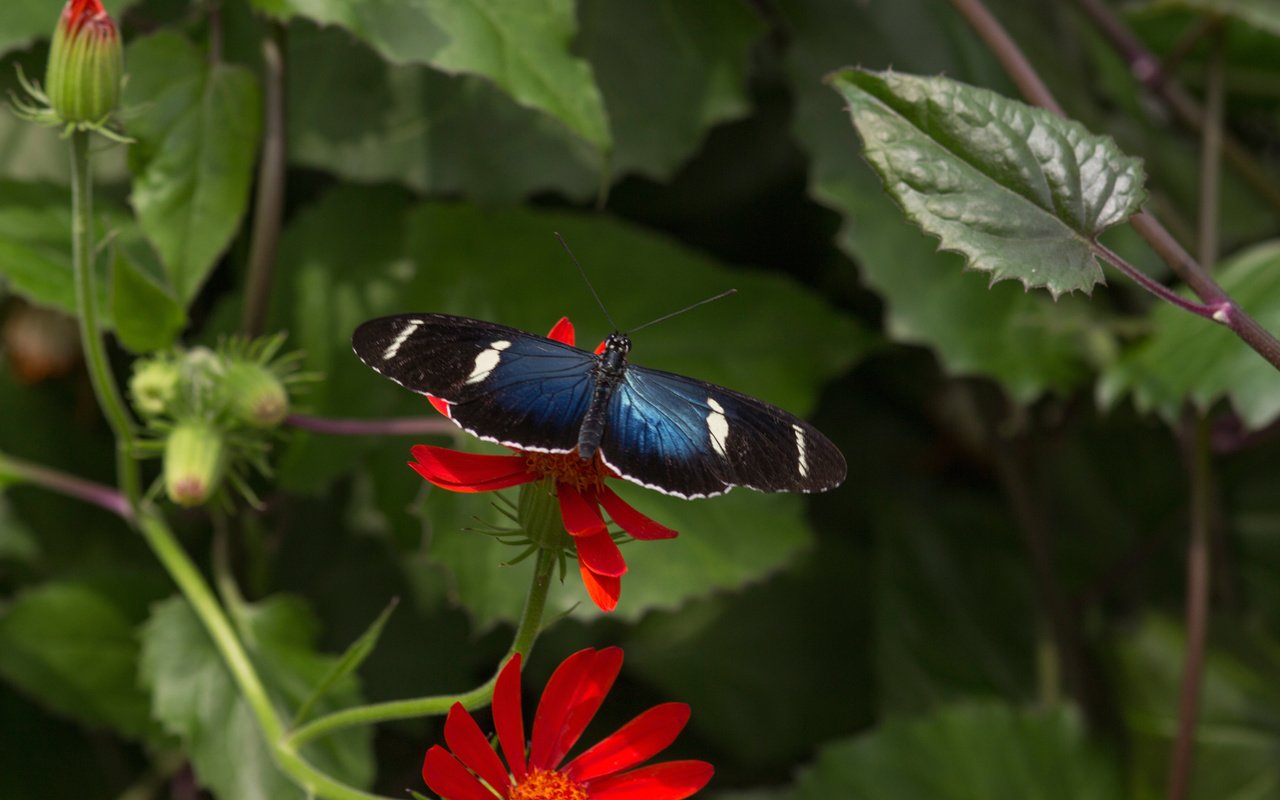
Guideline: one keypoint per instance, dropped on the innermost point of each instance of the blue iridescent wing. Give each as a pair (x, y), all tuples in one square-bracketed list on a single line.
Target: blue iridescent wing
[(501, 384), (690, 438)]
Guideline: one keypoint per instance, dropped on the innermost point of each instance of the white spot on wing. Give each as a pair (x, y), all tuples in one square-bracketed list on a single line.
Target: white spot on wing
[(717, 427), (802, 458), (400, 339), (486, 361)]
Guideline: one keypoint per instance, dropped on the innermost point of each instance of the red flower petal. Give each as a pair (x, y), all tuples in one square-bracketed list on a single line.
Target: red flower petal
[(639, 740), (670, 780), (604, 590), (469, 472), (599, 348), (471, 747), (571, 699), (600, 554), (439, 405), (562, 331), (630, 520), (581, 516), (449, 779), (508, 716)]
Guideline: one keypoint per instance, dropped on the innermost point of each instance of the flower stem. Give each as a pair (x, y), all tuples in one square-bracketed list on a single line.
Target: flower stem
[(151, 524), (70, 485), (526, 633), (268, 206), (104, 383)]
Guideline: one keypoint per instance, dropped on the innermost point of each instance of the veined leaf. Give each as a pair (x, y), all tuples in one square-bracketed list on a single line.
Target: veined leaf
[(521, 45), (147, 317), (1019, 191), (194, 697), (197, 134)]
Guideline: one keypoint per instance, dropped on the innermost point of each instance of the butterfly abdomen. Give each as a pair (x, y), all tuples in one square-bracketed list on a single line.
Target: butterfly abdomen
[(608, 373)]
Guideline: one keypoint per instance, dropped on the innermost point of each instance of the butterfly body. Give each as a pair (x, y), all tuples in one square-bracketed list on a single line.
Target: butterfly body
[(668, 432)]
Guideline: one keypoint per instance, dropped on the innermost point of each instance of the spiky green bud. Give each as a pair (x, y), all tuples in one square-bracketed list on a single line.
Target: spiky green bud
[(195, 462), (255, 395), (154, 386)]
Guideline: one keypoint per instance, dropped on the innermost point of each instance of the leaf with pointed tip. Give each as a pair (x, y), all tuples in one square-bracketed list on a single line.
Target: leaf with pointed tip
[(523, 46), (1188, 358), (1019, 191), (197, 135), (350, 661)]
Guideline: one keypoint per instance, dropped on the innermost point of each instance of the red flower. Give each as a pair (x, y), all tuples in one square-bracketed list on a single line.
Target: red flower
[(580, 490), (473, 771)]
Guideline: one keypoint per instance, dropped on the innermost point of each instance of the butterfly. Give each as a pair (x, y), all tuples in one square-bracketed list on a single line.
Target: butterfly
[(678, 435)]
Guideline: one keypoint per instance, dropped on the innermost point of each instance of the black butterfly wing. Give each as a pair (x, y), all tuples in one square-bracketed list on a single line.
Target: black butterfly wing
[(690, 438), (502, 385)]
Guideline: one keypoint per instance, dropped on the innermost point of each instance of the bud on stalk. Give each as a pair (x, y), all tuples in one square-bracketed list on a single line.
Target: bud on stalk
[(86, 64), (195, 461)]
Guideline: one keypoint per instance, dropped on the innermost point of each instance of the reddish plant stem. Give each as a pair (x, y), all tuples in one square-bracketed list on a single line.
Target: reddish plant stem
[(401, 426), (1146, 67), (268, 205), (1218, 306), (69, 485)]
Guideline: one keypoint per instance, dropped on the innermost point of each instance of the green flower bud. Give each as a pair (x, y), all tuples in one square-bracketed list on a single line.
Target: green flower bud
[(154, 386), (255, 395), (195, 461), (86, 64)]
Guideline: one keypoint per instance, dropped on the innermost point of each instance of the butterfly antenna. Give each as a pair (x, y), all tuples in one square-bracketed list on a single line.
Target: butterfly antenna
[(665, 317), (586, 280)]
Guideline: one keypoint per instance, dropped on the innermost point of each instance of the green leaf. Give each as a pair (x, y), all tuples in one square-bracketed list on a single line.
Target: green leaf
[(1188, 358), (1026, 342), (1262, 14), (368, 120), (194, 697), (1237, 737), (73, 647), (35, 243), (350, 661), (695, 57), (24, 22), (197, 134), (147, 317), (965, 752), (1019, 191), (522, 46)]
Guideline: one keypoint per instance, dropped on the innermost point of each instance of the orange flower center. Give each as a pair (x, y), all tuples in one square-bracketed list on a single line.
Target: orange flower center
[(546, 784), (569, 468)]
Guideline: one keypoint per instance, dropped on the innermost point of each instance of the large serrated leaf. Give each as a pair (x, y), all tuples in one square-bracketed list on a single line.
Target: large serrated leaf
[(1188, 358), (523, 46), (1019, 191), (1025, 341), (194, 697), (197, 130)]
